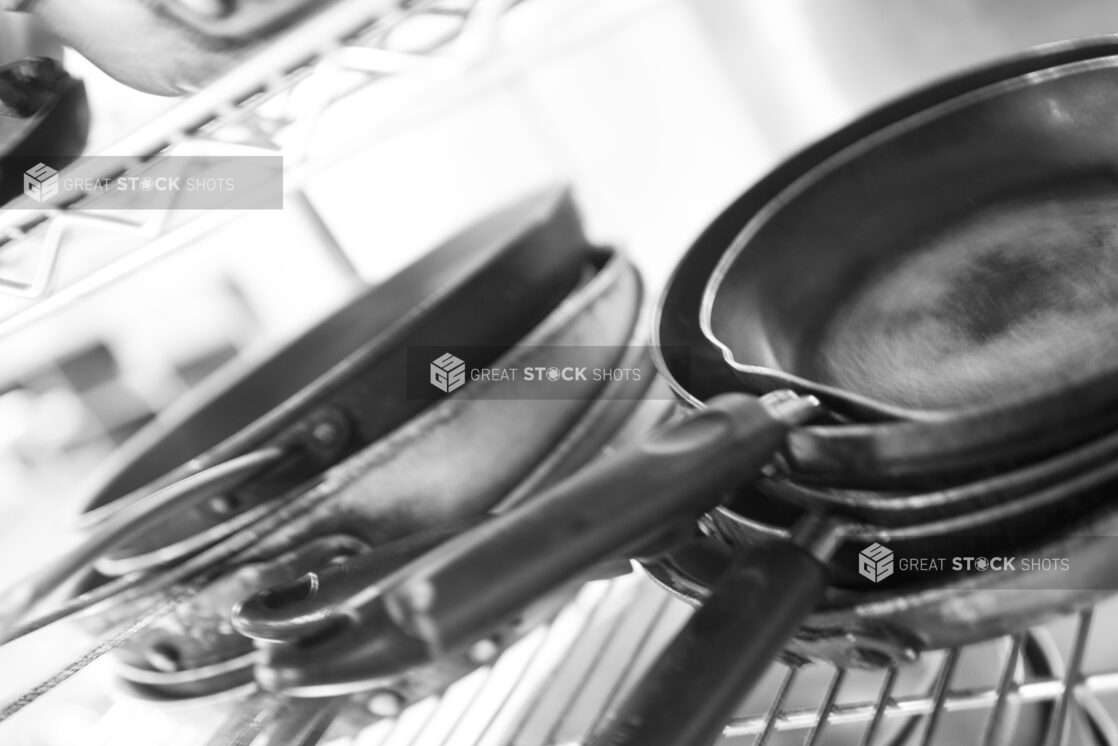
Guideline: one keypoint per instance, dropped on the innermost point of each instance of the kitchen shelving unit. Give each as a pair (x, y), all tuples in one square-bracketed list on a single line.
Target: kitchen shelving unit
[(556, 684)]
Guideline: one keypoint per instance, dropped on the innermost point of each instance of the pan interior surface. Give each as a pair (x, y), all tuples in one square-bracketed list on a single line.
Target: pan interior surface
[(1013, 301), (960, 260)]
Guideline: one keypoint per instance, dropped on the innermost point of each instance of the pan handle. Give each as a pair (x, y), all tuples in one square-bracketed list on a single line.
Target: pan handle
[(611, 509), (27, 593), (702, 677)]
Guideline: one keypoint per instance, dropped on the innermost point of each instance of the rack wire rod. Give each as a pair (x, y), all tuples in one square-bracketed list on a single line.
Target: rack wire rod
[(940, 692), (628, 673), (608, 639), (822, 719), (995, 723), (1058, 730), (111, 643), (540, 644), (770, 722), (296, 48), (235, 98), (596, 599), (884, 699), (963, 700)]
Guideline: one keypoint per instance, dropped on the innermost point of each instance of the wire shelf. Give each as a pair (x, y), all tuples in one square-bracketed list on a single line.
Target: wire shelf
[(556, 686), (270, 104), (567, 678)]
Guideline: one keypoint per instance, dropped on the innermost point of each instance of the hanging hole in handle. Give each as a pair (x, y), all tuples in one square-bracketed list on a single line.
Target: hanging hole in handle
[(300, 590)]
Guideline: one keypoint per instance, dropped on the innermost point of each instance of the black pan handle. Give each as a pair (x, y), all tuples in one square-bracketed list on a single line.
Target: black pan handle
[(702, 677), (297, 609), (475, 582)]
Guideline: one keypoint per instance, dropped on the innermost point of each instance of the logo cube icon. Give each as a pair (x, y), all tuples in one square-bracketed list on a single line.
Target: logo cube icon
[(448, 373), (40, 182), (875, 562)]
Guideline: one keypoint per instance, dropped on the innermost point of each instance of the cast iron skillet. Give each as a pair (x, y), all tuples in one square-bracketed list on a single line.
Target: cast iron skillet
[(622, 505), (336, 388)]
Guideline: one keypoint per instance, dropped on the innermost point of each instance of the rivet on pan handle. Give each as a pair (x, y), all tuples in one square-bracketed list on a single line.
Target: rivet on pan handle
[(18, 600)]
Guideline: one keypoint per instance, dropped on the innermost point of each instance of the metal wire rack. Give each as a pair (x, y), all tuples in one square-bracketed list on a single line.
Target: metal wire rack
[(559, 684), (269, 104), (556, 685)]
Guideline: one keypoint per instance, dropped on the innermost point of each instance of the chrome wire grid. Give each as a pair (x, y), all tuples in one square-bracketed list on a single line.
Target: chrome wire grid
[(569, 676), (270, 104), (558, 685), (555, 686)]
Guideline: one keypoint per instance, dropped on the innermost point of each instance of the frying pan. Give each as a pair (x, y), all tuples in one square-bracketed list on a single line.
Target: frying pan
[(1046, 131), (324, 638), (965, 608), (858, 455), (188, 478), (346, 371), (983, 317), (447, 465)]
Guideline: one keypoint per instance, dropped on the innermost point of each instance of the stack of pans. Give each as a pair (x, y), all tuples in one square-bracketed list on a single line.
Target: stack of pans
[(916, 317), (940, 275), (900, 343), (338, 458), (973, 410)]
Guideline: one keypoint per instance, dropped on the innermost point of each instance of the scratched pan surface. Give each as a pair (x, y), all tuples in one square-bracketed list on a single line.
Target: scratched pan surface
[(449, 464), (488, 286)]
